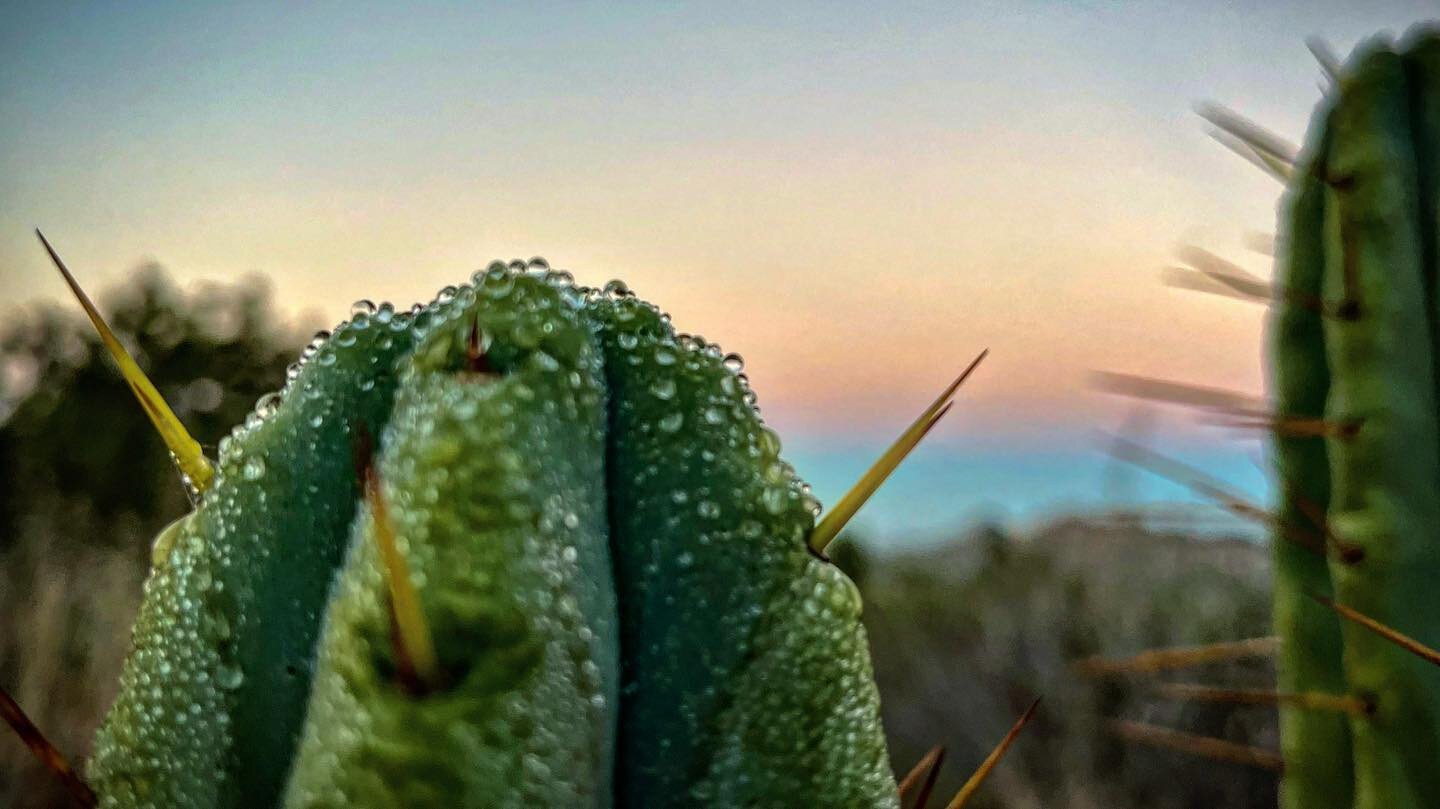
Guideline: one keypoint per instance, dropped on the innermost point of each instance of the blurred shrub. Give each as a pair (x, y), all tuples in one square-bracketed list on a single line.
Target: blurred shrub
[(965, 635)]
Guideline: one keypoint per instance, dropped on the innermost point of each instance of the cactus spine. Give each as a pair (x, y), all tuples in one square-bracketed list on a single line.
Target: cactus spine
[(1354, 338)]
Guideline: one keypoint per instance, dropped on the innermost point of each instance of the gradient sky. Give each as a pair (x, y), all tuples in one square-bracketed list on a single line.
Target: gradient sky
[(856, 198)]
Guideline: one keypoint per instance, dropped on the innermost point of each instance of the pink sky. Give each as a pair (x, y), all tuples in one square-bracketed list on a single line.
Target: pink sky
[(856, 203)]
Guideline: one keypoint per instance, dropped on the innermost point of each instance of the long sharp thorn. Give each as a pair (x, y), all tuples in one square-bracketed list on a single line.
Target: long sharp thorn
[(1233, 409), (834, 521), (43, 750), (1179, 393), (1261, 140), (1204, 746), (1306, 700), (1205, 486), (1153, 660), (1271, 165), (1329, 62), (920, 781), (415, 647), (1196, 281), (188, 455), (1294, 426), (1227, 273), (963, 796), (1396, 637)]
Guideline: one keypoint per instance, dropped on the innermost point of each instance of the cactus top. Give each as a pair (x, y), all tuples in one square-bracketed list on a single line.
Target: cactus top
[(605, 544)]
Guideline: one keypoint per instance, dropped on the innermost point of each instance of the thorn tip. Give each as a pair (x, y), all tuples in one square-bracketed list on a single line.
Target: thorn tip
[(835, 520), (186, 450), (978, 777)]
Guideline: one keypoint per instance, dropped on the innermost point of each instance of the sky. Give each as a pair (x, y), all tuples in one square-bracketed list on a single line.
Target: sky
[(858, 198)]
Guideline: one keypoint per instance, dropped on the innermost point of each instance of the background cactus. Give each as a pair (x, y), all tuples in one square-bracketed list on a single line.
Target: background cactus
[(1354, 342)]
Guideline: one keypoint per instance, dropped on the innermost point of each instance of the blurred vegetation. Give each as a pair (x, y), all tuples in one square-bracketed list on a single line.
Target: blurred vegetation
[(964, 633), (87, 483)]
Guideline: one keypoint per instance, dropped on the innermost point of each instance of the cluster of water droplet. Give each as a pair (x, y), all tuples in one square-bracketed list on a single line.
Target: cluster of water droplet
[(176, 680), (708, 528), (806, 719), (495, 481)]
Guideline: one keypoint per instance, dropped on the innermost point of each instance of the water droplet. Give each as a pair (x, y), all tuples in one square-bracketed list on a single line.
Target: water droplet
[(769, 442), (672, 422), (773, 499), (229, 677), (253, 468)]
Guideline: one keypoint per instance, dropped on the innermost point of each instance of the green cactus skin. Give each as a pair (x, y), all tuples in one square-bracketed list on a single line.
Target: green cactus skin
[(213, 692), (805, 713), (738, 644), (719, 663), (1315, 745), (496, 481), (1372, 156)]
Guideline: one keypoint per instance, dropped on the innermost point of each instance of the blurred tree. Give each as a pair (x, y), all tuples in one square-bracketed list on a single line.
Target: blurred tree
[(71, 434), (88, 483)]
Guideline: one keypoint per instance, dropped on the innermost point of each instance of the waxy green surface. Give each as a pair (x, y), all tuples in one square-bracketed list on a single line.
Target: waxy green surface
[(1361, 238), (609, 553)]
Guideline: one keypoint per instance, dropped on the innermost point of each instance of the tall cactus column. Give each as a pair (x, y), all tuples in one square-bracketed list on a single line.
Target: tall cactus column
[(1356, 340)]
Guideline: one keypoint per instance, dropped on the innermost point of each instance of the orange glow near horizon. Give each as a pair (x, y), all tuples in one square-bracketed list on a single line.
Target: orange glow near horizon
[(856, 206)]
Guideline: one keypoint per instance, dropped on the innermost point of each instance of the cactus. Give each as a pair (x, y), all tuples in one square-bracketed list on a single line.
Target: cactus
[(1355, 341), (525, 545)]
